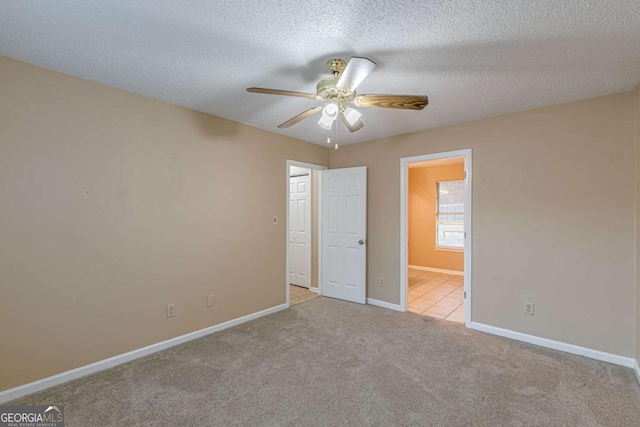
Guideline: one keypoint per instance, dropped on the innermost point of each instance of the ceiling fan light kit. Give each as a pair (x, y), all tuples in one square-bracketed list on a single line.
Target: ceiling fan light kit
[(351, 115), (325, 123), (339, 90), (329, 115)]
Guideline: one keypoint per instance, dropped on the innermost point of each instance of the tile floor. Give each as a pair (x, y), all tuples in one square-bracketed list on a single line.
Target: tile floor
[(436, 295), (298, 294)]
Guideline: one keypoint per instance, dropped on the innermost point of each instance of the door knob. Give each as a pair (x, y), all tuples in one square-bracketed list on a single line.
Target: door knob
[(361, 242)]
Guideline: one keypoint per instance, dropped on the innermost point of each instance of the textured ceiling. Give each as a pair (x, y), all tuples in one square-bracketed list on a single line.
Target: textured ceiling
[(473, 59)]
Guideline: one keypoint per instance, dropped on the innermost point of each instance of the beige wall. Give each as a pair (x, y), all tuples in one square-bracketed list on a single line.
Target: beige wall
[(113, 205), (553, 217), (422, 217)]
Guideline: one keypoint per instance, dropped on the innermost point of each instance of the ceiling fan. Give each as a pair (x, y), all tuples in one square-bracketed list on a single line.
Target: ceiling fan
[(339, 91)]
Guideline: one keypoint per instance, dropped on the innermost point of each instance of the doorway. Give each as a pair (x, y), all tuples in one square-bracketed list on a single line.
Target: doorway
[(338, 212), (303, 184), (436, 235)]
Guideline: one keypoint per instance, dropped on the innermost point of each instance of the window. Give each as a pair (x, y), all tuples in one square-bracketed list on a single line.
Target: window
[(450, 215)]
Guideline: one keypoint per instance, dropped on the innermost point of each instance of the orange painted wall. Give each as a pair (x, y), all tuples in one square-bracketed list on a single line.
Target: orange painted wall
[(422, 217)]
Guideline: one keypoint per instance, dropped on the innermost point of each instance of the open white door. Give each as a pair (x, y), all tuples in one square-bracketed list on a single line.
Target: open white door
[(300, 230), (344, 228)]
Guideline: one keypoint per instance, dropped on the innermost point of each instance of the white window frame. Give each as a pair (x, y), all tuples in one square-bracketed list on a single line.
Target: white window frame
[(437, 222)]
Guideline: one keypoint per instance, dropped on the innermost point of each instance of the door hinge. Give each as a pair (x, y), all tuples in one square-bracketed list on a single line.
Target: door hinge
[(465, 295), (465, 174)]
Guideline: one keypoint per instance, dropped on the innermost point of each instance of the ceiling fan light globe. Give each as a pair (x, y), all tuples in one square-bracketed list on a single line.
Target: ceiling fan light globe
[(330, 111), (325, 122), (352, 116)]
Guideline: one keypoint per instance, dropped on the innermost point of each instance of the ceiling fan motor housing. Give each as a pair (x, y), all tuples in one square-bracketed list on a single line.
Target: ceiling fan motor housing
[(326, 90)]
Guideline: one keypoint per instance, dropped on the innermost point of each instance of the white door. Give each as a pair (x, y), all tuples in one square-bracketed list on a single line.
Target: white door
[(344, 228), (300, 231)]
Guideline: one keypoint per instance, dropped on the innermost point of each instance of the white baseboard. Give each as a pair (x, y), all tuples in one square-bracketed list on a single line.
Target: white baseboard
[(437, 270), (636, 369), (557, 345), (23, 390), (384, 304), (316, 290)]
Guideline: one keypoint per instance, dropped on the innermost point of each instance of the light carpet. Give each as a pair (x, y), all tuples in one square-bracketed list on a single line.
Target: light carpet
[(332, 363)]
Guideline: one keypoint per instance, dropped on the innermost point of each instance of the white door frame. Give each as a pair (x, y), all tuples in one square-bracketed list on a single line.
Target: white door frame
[(404, 210), (319, 198)]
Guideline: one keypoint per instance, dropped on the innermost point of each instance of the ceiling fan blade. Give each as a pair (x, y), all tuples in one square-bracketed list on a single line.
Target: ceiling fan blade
[(281, 92), (403, 102), (310, 112), (354, 73), (353, 128)]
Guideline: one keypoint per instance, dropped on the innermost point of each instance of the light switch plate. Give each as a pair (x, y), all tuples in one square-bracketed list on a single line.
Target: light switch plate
[(528, 308), (171, 310)]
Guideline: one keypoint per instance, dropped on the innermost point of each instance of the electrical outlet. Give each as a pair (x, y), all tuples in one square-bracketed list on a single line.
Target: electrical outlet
[(382, 281), (171, 310), (275, 220), (528, 308), (210, 301)]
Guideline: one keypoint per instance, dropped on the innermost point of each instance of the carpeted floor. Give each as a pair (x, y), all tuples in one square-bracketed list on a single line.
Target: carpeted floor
[(332, 363)]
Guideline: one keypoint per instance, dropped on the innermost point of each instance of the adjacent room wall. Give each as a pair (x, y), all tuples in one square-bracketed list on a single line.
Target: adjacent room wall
[(114, 205), (422, 217), (553, 217)]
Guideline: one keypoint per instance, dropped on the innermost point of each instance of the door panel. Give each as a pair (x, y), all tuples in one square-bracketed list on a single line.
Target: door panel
[(291, 241), (300, 230), (344, 226)]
